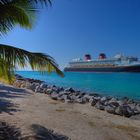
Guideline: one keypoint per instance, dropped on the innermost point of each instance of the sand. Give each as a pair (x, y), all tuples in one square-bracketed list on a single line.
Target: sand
[(26, 109)]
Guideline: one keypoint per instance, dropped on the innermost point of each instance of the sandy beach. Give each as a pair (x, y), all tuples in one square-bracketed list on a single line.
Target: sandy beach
[(25, 109)]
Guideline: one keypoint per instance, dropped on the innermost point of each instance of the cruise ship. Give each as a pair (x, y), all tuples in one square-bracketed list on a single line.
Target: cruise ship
[(118, 63)]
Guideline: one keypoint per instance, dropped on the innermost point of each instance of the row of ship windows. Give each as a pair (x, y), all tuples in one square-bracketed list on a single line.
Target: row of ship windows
[(77, 64), (92, 65)]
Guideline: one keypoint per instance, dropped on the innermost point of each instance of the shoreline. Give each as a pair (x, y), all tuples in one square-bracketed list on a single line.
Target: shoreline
[(36, 113), (118, 106)]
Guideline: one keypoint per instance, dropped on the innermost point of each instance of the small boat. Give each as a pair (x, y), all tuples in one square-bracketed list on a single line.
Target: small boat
[(118, 63)]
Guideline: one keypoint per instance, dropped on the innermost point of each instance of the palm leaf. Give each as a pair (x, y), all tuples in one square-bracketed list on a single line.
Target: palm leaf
[(6, 72), (20, 12), (12, 57)]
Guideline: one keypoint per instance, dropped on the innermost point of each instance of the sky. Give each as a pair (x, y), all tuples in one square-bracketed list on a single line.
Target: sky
[(72, 28)]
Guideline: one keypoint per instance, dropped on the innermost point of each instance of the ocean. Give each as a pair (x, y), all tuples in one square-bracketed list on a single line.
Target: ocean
[(111, 84)]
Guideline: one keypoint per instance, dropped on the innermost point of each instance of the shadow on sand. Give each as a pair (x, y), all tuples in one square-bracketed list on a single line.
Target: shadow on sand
[(8, 93), (42, 133)]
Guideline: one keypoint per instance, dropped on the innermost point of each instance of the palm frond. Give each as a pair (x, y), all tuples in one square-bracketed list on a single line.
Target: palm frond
[(13, 56), (6, 72), (20, 12)]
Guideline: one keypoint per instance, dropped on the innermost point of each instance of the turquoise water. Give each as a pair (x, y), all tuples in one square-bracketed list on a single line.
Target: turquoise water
[(114, 84)]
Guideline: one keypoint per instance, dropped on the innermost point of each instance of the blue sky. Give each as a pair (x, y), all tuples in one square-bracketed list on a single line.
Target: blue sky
[(72, 28)]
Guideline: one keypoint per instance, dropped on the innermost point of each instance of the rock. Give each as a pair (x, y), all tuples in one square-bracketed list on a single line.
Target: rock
[(110, 109), (99, 106), (33, 86), (43, 85), (87, 97), (97, 98), (124, 101), (54, 95), (17, 83), (37, 89), (135, 117), (93, 102), (130, 101), (73, 98), (138, 108), (61, 93), (81, 100), (28, 85), (69, 90), (48, 91), (119, 111), (114, 104), (82, 93), (65, 97), (103, 99), (121, 102), (67, 101), (124, 110), (112, 100), (94, 94), (61, 89)]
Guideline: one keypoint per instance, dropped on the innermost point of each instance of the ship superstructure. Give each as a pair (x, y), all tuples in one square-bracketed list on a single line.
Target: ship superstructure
[(118, 63)]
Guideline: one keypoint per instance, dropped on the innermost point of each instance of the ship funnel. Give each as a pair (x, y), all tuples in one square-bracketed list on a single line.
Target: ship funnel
[(102, 56), (87, 57)]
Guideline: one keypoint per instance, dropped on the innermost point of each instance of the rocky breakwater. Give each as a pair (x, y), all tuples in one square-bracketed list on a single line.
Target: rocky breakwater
[(123, 107)]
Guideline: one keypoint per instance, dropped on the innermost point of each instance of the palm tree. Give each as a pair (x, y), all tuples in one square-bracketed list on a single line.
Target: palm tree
[(21, 12)]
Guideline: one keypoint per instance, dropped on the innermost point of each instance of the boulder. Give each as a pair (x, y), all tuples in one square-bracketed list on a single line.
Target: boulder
[(69, 90), (67, 101), (110, 109), (73, 98), (87, 97), (81, 100), (124, 110), (61, 89), (93, 102), (97, 98), (65, 97), (94, 94), (130, 101), (138, 107), (43, 85), (28, 85), (114, 104), (82, 93), (119, 111), (112, 100), (37, 89), (135, 117), (100, 106), (48, 91), (121, 102), (33, 86), (54, 95), (103, 99), (17, 83)]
